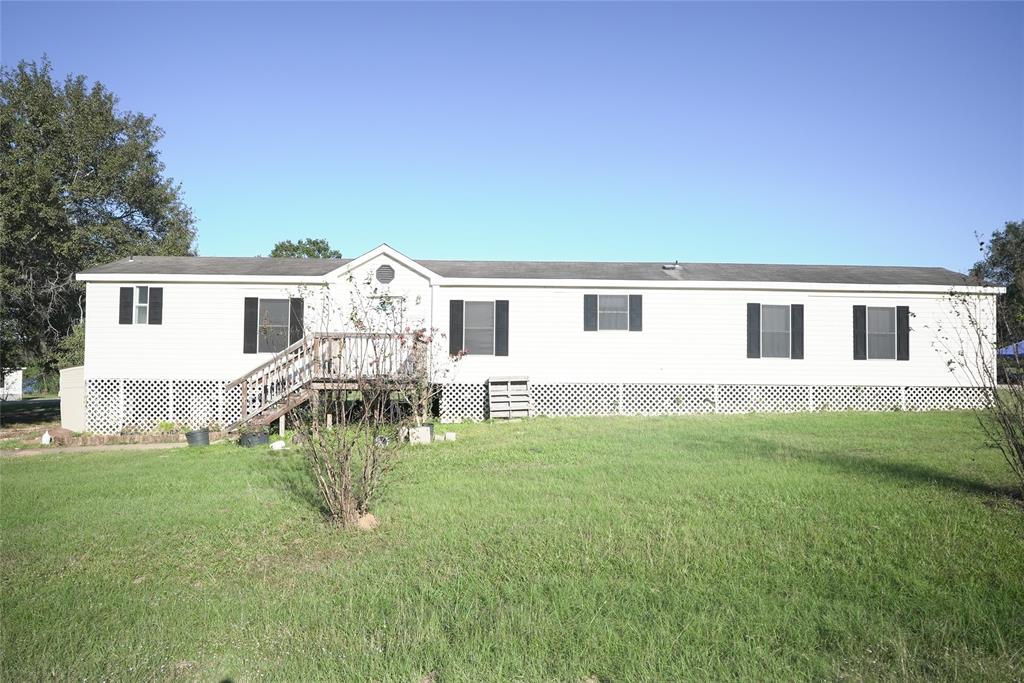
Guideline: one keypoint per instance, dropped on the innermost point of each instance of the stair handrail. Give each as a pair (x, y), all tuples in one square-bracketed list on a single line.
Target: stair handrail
[(302, 362), (263, 366)]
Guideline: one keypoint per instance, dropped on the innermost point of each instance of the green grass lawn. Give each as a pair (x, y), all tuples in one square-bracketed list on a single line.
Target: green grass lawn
[(821, 546)]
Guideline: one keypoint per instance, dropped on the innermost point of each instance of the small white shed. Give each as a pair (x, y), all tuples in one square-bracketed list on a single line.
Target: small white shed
[(12, 385)]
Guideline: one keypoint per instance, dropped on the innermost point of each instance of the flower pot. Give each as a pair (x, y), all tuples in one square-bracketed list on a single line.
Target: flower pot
[(253, 439), (198, 437)]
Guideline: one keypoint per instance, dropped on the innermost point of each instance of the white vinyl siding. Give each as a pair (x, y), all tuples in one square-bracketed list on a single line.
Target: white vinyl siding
[(691, 335), (697, 336), (203, 323), (775, 331), (386, 313), (881, 331)]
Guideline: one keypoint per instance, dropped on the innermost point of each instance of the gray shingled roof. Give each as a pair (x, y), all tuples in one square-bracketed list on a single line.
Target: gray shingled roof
[(556, 270), (723, 272), (219, 265)]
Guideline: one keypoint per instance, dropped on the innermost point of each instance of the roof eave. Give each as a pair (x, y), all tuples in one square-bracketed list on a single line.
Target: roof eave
[(202, 277)]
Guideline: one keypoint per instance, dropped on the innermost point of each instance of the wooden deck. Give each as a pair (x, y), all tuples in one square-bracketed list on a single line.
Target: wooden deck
[(322, 362)]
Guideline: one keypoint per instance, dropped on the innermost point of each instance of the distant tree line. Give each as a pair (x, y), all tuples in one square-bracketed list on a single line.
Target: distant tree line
[(307, 248)]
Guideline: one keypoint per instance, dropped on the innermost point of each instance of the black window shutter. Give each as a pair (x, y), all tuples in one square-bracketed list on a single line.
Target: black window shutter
[(455, 312), (296, 323), (501, 328), (753, 330), (590, 312), (796, 326), (124, 311), (156, 305), (860, 333), (902, 333), (251, 326), (636, 313)]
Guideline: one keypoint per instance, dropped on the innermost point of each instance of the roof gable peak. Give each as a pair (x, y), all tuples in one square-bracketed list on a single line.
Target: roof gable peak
[(387, 250)]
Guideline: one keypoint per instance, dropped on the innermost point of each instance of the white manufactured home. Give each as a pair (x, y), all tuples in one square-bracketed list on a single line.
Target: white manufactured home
[(184, 339)]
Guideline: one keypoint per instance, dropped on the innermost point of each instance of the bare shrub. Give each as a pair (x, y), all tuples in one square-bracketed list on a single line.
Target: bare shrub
[(349, 445), (371, 383), (968, 342)]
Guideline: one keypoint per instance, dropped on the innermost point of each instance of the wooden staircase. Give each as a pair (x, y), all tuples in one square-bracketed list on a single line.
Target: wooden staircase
[(319, 361)]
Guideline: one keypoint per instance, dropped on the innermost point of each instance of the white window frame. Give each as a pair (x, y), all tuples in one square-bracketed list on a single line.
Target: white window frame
[(612, 329), (260, 325), (138, 307), (494, 327), (789, 316), (867, 334)]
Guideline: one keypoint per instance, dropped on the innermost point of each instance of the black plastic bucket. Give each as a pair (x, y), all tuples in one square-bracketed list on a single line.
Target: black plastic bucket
[(254, 439), (198, 437)]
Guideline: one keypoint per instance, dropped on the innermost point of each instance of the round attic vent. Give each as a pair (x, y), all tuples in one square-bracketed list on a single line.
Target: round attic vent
[(385, 274)]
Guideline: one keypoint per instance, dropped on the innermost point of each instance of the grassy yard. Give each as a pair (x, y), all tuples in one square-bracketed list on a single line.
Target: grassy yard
[(840, 546)]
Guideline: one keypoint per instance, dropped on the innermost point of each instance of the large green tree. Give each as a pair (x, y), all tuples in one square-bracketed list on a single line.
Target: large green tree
[(81, 183), (308, 248), (1002, 263)]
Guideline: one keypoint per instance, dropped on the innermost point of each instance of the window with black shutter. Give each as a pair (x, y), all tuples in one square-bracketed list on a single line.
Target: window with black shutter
[(271, 325), (613, 312), (775, 331), (478, 328), (141, 305), (881, 333)]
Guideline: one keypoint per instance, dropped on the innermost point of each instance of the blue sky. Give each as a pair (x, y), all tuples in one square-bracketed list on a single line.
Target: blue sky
[(768, 132)]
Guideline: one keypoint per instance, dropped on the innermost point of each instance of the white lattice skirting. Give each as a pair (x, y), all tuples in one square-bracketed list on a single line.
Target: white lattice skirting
[(469, 401), (118, 405), (113, 406)]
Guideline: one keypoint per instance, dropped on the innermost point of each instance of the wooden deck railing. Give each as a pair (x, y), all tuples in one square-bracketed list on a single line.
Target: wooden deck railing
[(324, 357)]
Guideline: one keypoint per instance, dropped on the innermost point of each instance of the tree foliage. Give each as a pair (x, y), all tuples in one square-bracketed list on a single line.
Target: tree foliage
[(70, 350), (1003, 264), (307, 248), (81, 183)]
